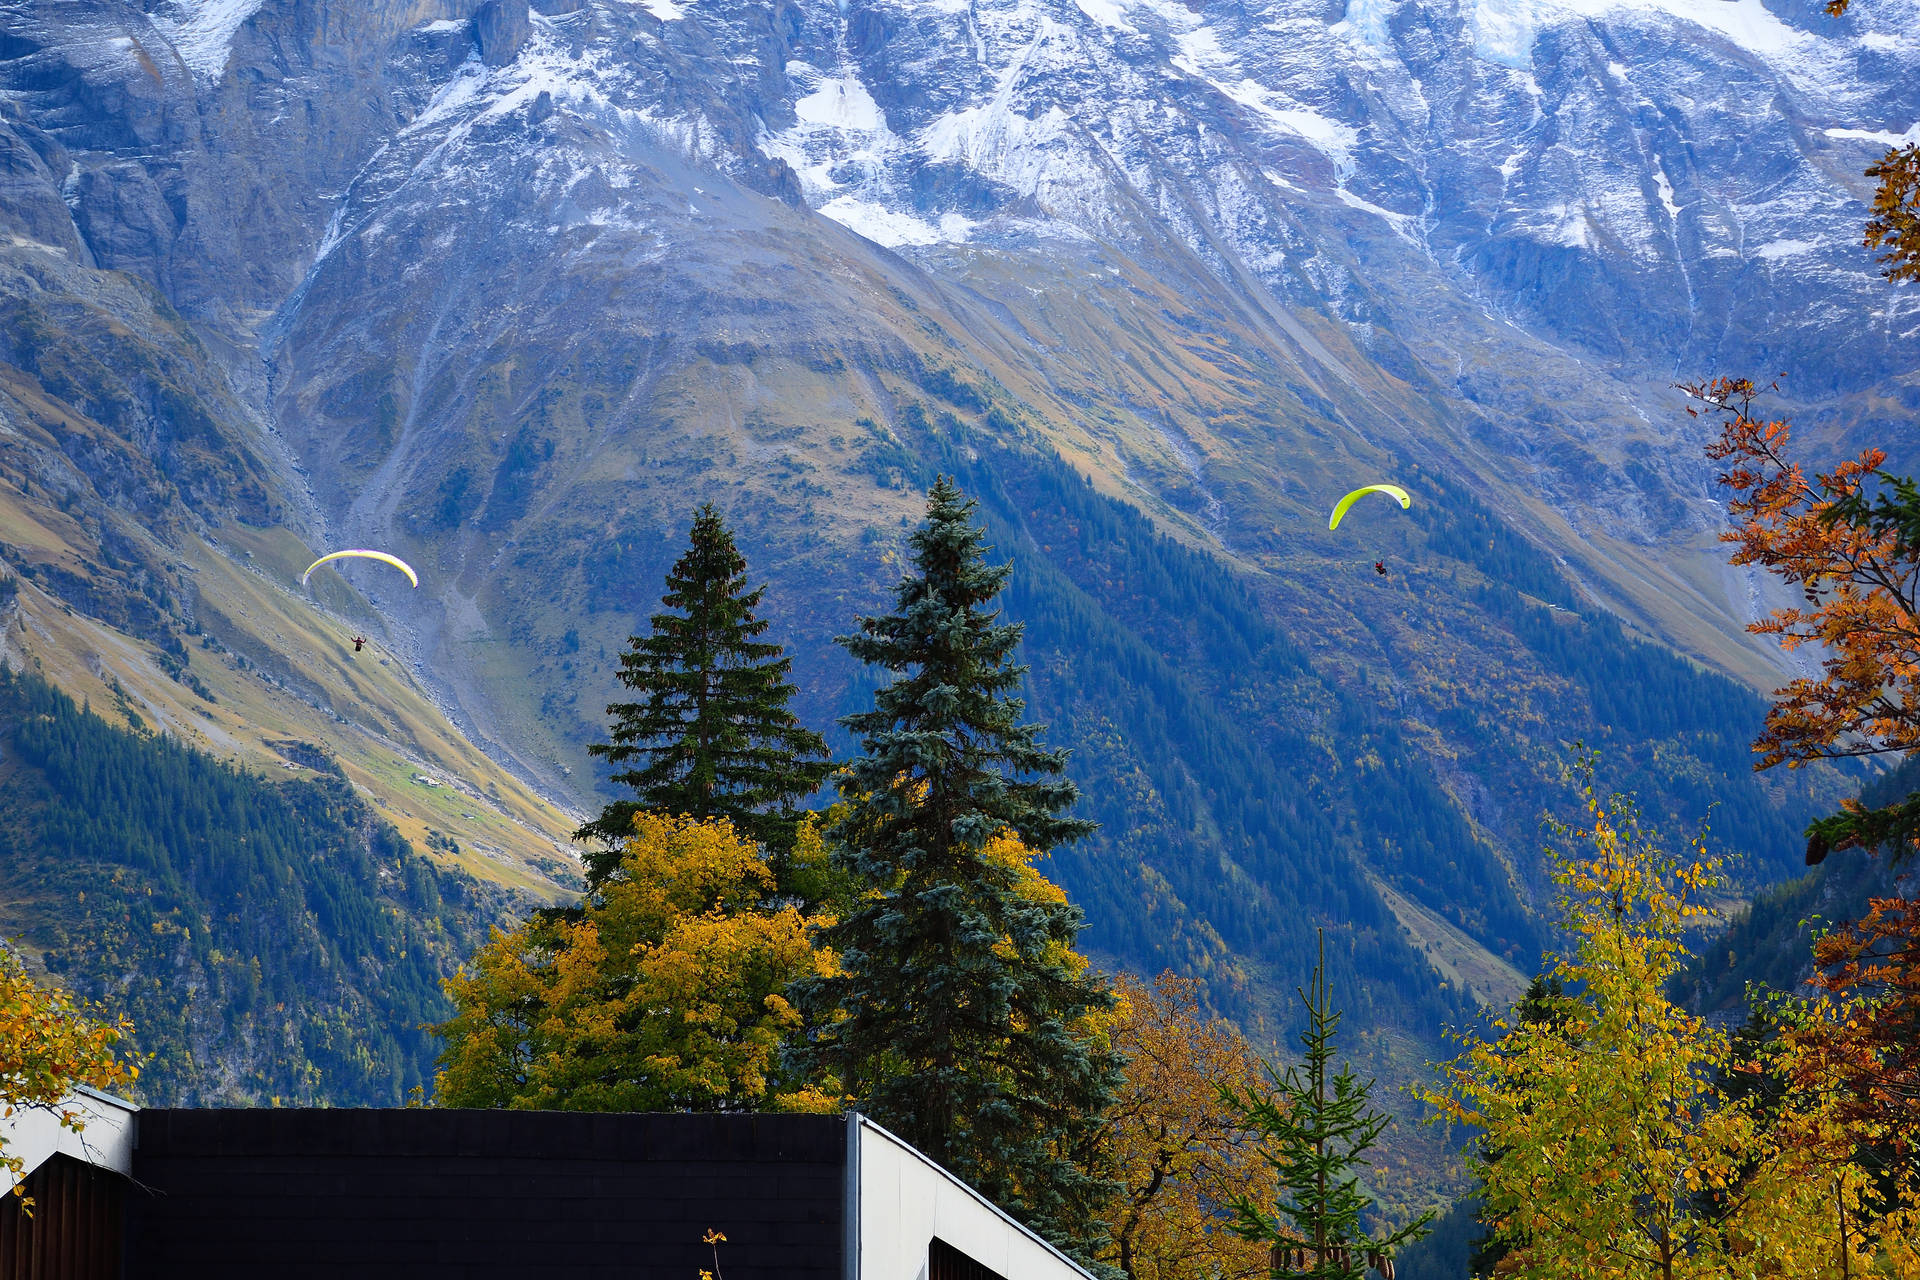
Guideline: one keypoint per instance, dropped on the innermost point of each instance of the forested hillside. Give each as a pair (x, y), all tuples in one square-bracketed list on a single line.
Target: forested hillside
[(1240, 771), (271, 940), (1769, 942)]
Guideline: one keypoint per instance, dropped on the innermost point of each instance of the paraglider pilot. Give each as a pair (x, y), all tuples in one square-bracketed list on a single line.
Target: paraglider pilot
[(359, 642), (1393, 491)]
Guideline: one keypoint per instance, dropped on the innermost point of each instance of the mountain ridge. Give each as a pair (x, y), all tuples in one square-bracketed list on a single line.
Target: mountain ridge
[(509, 288)]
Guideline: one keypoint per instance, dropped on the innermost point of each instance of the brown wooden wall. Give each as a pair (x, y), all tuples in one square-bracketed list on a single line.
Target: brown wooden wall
[(75, 1229)]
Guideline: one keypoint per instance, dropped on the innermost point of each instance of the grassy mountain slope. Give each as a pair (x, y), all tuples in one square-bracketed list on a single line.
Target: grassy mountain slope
[(534, 424), (155, 566), (1266, 731)]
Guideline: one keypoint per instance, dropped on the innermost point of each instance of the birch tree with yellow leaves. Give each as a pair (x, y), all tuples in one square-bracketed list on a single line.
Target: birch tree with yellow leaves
[(1613, 1147)]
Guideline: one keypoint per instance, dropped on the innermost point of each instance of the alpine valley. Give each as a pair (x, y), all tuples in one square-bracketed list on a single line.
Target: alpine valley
[(508, 290)]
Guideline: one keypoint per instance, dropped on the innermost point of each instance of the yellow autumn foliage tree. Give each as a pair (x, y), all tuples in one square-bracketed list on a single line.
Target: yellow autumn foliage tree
[(1616, 1144), (47, 1046), (1179, 1152), (663, 991)]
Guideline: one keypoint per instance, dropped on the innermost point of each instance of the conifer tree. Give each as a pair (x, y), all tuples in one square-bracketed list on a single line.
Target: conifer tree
[(1316, 1126), (960, 1016), (710, 735)]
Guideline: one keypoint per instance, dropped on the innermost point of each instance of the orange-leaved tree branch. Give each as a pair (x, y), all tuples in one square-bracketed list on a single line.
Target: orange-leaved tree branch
[(1849, 540), (1895, 225), (1869, 1053), (1858, 575), (1855, 1052)]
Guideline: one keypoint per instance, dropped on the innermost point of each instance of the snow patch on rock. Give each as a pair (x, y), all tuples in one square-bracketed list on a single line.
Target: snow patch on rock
[(1331, 138), (1881, 136), (841, 104), (1368, 19), (997, 141), (1108, 14), (1665, 187), (202, 31), (1778, 249), (892, 228), (1404, 225), (1503, 33)]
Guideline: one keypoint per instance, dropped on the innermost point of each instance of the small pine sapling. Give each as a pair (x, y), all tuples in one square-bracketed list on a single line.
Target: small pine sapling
[(1316, 1125)]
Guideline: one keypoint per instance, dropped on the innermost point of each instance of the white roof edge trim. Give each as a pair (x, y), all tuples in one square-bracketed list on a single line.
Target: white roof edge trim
[(864, 1123), (850, 1201), (111, 1099)]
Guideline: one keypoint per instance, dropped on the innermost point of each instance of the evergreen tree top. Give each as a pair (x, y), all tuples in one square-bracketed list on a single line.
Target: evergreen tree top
[(710, 734), (937, 622), (710, 578), (1316, 1124), (948, 723)]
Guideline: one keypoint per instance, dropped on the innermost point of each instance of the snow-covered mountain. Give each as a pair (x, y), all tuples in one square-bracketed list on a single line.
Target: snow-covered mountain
[(1529, 215), (510, 287), (1638, 181)]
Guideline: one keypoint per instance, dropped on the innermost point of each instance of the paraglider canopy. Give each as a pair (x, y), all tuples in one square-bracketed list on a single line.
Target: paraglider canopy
[(1391, 490), (381, 556)]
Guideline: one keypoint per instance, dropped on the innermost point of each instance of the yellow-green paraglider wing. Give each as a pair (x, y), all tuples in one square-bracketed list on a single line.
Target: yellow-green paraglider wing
[(381, 556), (1391, 490)]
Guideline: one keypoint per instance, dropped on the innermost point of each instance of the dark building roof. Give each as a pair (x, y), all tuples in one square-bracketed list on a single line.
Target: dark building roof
[(73, 1229), (222, 1195)]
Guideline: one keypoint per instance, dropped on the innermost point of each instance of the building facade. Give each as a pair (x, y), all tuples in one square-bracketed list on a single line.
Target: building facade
[(430, 1194)]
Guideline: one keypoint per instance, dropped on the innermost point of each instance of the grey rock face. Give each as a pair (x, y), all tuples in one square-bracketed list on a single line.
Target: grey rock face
[(124, 218), (32, 167), (501, 29)]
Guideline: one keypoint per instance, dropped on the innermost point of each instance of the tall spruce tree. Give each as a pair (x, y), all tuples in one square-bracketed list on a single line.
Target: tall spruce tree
[(959, 1014), (1315, 1126), (710, 735)]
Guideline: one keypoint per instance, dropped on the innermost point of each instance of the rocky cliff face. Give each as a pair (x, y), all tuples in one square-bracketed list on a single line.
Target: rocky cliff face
[(509, 288)]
